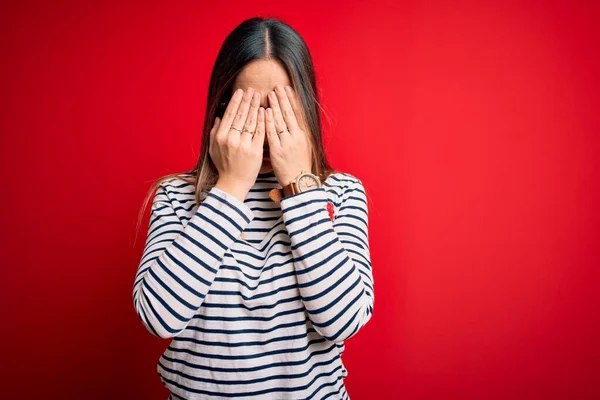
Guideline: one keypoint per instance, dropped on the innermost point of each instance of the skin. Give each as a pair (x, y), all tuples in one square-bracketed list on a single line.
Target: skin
[(262, 75), (264, 102)]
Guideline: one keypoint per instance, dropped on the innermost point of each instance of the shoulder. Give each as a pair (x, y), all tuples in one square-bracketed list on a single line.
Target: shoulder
[(341, 178), (342, 186), (176, 189), (343, 182), (176, 184)]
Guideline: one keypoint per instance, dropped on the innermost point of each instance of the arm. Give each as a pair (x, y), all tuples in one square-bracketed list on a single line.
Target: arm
[(332, 259), (179, 263)]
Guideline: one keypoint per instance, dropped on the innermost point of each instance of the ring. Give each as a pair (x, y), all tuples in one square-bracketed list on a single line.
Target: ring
[(282, 131), (239, 130)]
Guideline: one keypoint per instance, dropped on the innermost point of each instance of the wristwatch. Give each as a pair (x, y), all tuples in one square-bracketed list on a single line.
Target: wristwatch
[(303, 182)]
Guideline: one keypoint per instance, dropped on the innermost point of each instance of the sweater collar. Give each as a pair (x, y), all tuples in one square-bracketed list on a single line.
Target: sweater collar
[(264, 183)]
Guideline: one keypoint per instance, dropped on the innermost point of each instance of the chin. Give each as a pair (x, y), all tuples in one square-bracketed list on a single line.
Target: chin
[(266, 167)]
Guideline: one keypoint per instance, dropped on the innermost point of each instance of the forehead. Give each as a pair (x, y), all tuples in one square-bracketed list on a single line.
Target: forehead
[(262, 76)]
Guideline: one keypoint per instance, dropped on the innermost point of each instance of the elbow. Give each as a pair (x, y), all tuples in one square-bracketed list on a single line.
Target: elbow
[(151, 321), (333, 336), (335, 333), (165, 334), (161, 332)]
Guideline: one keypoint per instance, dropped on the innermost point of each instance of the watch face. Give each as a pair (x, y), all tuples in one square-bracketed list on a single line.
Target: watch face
[(307, 182)]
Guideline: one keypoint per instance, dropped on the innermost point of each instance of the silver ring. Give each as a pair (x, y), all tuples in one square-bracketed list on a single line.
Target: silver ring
[(282, 131), (239, 130)]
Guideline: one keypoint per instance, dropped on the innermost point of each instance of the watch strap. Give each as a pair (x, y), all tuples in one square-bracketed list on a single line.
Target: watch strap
[(276, 195), (290, 189)]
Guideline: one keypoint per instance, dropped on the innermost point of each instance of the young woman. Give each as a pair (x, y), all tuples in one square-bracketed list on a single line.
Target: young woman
[(257, 260)]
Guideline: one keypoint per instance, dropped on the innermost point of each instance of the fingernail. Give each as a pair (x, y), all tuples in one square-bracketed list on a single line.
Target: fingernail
[(289, 89)]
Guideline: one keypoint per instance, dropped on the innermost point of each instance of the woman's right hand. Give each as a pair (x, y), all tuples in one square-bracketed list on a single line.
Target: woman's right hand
[(238, 156)]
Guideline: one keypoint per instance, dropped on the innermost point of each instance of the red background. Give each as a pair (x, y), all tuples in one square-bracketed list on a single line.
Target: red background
[(474, 127)]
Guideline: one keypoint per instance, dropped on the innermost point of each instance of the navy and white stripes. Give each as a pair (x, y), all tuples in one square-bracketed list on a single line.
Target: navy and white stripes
[(258, 297), (331, 259)]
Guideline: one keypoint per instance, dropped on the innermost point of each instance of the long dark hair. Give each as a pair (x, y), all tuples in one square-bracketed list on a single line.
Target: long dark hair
[(256, 39)]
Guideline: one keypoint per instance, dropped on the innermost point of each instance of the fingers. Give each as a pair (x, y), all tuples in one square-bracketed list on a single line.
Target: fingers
[(251, 121), (258, 139), (295, 102), (286, 108), (280, 124), (242, 112), (230, 113), (270, 130)]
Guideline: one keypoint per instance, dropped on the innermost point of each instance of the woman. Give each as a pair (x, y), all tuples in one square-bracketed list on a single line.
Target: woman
[(258, 281)]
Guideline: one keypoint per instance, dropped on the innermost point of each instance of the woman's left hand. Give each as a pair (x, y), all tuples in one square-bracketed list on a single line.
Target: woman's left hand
[(290, 150)]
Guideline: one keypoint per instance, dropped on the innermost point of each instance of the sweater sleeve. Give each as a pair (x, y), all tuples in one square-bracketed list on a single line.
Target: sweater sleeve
[(178, 263), (332, 259)]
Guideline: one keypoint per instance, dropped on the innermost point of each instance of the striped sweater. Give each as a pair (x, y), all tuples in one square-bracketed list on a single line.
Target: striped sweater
[(257, 297)]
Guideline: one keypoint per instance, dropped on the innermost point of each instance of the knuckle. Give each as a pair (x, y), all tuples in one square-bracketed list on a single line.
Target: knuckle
[(248, 150)]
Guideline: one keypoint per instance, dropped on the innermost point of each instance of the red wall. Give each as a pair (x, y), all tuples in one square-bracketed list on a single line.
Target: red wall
[(474, 128)]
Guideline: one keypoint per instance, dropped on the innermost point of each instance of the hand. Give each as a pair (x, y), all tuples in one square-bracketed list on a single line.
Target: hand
[(238, 156), (290, 151)]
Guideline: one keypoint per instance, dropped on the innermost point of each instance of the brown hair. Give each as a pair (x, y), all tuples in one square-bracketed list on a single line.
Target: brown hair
[(255, 38)]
